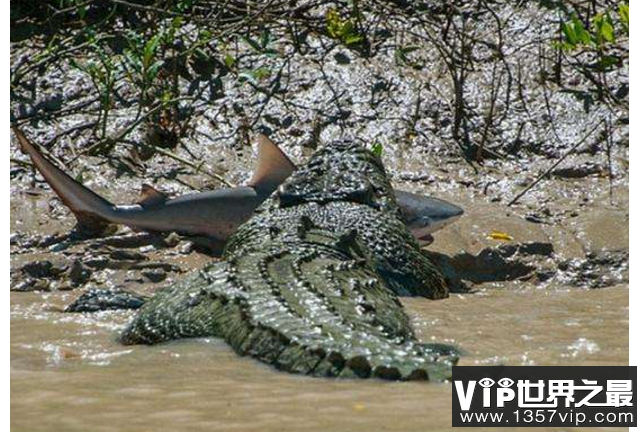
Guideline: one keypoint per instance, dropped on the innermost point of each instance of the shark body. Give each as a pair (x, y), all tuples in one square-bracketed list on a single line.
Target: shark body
[(213, 214)]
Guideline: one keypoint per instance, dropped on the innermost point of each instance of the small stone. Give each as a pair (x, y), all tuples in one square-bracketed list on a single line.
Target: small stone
[(78, 273), (38, 269), (172, 240), (342, 58), (579, 171), (534, 218), (125, 255), (97, 299), (31, 285), (186, 248), (157, 275)]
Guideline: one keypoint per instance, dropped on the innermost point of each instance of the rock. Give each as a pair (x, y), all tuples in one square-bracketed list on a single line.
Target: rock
[(186, 248), (172, 240), (545, 275), (596, 270), (125, 255), (15, 239), (78, 274), (157, 275), (98, 299), (579, 171), (98, 263), (31, 284), (43, 269), (535, 218), (502, 263), (530, 248), (342, 58), (156, 265), (102, 262), (129, 240)]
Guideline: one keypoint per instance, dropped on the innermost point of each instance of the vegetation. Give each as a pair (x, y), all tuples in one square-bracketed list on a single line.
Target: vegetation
[(162, 63)]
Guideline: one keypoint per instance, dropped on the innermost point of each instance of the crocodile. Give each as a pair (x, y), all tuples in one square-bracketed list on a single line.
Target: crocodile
[(310, 283), (212, 214)]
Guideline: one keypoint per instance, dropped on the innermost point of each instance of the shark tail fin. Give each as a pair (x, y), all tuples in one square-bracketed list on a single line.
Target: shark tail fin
[(91, 210), (273, 166)]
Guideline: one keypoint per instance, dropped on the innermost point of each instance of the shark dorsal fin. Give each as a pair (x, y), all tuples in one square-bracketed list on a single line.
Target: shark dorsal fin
[(150, 197), (272, 168)]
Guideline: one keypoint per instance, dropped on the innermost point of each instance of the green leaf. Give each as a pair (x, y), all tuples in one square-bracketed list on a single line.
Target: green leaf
[(262, 73), (265, 38), (177, 22), (205, 35), (603, 29), (229, 61), (150, 49), (343, 30), (607, 62), (153, 69), (252, 43), (255, 75), (377, 149), (569, 33), (247, 76), (582, 35), (623, 13), (401, 57), (333, 23), (352, 39), (607, 32), (347, 28)]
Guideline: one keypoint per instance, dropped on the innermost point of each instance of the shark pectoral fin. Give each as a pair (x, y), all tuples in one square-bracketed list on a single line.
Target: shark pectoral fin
[(273, 166), (150, 197)]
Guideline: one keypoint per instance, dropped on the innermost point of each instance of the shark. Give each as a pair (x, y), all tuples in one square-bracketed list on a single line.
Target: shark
[(215, 214)]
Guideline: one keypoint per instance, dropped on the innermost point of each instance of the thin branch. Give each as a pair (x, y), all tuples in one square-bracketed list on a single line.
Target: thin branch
[(552, 167)]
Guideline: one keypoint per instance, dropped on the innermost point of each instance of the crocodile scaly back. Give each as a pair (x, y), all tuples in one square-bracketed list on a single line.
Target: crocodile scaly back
[(310, 283)]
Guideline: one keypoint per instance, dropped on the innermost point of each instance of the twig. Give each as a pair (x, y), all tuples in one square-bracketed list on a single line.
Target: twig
[(145, 8), (552, 167), (198, 168), (609, 144), (125, 131)]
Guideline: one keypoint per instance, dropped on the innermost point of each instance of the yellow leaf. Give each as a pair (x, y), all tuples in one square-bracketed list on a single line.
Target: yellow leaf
[(359, 407), (498, 235)]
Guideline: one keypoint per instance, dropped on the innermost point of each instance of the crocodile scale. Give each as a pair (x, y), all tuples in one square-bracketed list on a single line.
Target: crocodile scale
[(310, 283)]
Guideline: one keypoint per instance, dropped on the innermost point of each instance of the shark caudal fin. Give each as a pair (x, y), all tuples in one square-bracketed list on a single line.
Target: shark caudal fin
[(90, 209), (272, 168)]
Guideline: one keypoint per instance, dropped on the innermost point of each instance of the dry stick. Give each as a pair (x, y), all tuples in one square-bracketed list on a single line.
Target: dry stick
[(609, 144), (125, 131), (552, 167), (145, 8), (119, 136), (198, 167)]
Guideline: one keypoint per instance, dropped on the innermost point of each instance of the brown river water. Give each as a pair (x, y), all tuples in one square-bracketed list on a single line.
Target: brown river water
[(68, 373)]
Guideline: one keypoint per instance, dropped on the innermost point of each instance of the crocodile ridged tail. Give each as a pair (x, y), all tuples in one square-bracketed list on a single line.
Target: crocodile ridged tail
[(306, 302)]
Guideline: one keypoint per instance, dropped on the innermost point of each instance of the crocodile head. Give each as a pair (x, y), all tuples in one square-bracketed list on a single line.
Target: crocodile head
[(342, 171)]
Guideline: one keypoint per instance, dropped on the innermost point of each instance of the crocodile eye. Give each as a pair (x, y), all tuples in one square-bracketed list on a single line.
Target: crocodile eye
[(486, 382), (505, 382)]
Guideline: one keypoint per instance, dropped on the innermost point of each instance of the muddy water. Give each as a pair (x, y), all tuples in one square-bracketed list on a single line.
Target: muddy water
[(68, 372)]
